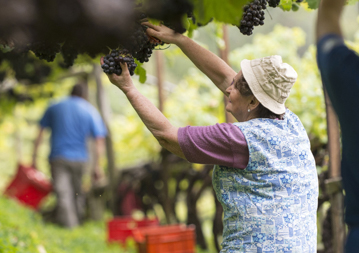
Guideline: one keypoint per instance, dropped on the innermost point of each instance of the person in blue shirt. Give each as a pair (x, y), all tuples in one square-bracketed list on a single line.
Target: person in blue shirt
[(339, 67), (71, 121)]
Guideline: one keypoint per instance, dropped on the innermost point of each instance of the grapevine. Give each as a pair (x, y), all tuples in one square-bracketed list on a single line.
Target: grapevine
[(45, 50), (2, 76), (19, 62), (137, 40), (170, 12), (69, 53), (71, 28), (327, 230)]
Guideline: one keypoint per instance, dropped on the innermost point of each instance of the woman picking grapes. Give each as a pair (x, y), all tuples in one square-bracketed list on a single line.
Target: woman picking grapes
[(265, 175)]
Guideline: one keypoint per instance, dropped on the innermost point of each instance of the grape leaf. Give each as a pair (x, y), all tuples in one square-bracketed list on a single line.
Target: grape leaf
[(141, 72), (229, 11), (286, 5), (313, 4), (5, 48), (191, 28)]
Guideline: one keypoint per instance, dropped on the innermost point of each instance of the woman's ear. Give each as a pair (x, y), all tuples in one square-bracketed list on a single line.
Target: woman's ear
[(253, 103)]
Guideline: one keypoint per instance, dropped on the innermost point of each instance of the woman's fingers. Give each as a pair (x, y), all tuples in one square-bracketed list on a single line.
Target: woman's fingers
[(148, 24), (155, 40), (151, 32), (124, 67), (153, 35), (101, 60)]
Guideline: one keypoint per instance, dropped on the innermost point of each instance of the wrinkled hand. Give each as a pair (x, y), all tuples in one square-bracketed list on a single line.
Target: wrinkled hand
[(123, 81), (96, 175), (162, 33)]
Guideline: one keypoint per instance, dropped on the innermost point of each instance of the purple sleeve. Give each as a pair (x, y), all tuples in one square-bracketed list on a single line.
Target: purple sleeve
[(221, 144)]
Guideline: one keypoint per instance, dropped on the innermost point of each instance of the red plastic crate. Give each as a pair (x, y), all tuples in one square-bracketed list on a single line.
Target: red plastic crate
[(120, 228), (29, 186), (166, 239)]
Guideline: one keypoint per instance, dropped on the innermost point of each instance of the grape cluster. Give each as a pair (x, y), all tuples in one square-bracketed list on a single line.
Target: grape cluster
[(146, 52), (69, 52), (45, 50), (253, 16), (19, 62), (273, 3), (112, 61), (137, 39)]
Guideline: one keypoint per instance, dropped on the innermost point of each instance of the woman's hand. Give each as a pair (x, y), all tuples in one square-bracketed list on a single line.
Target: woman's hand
[(123, 81), (162, 33)]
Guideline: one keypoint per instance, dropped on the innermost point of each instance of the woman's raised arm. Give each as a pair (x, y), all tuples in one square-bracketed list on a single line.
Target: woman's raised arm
[(210, 64), (155, 121)]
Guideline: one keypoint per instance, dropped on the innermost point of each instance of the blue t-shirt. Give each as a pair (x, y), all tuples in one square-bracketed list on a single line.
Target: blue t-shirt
[(72, 121), (339, 67)]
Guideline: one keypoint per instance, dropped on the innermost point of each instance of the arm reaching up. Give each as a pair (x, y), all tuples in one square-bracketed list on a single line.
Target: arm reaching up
[(155, 121), (99, 150), (210, 64), (328, 21)]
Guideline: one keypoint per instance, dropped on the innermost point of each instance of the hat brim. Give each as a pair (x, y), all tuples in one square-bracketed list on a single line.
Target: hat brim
[(258, 91)]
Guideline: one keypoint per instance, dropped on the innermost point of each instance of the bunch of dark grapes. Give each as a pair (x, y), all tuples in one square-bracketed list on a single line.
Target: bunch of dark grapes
[(45, 50), (112, 61), (137, 39), (69, 53), (253, 15), (273, 3), (19, 62), (146, 52)]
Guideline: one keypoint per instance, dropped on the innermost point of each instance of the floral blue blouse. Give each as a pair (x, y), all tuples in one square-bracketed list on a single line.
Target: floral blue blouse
[(271, 205)]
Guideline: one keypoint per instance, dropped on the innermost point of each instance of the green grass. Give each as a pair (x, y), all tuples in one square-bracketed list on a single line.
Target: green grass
[(22, 230)]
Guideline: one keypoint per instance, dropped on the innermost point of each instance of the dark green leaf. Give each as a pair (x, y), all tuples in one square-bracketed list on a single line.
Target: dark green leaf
[(229, 11), (313, 4)]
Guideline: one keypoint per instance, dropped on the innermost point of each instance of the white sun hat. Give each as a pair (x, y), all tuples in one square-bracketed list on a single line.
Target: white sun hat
[(270, 81)]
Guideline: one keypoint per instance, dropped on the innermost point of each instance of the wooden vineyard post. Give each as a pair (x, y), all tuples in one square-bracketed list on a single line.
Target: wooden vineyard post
[(333, 184), (104, 111), (164, 169)]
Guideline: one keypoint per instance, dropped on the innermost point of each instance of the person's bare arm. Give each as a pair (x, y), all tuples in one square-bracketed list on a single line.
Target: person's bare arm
[(328, 21), (36, 147), (155, 121), (99, 151), (210, 64)]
